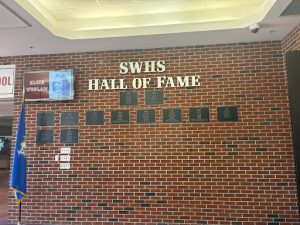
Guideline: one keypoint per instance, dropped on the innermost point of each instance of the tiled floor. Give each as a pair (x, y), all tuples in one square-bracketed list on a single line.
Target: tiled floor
[(4, 174)]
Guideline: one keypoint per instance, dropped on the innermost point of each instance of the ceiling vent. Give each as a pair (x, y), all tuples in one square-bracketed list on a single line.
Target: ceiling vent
[(293, 9)]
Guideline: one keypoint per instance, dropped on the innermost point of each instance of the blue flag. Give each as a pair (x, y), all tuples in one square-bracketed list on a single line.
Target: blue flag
[(18, 174)]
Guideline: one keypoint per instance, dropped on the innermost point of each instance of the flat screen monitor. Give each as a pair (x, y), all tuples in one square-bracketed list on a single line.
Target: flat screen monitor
[(49, 85)]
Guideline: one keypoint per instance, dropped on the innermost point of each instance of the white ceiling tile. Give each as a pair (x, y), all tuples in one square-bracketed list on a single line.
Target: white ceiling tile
[(77, 4), (52, 5)]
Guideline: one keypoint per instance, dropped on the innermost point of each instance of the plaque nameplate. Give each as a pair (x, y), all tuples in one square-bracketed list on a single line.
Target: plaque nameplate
[(172, 116), (94, 118), (146, 116), (69, 118), (120, 117), (154, 97), (44, 136), (199, 114), (45, 119), (227, 113), (69, 136), (128, 98)]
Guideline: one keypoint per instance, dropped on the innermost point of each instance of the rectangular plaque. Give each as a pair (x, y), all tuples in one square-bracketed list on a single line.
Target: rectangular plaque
[(120, 117), (199, 114), (45, 119), (145, 116), (154, 97), (172, 115), (128, 98), (44, 136), (69, 118), (227, 113), (94, 118), (69, 136)]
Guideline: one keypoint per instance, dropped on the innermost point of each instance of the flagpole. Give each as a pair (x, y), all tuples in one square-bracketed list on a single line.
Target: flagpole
[(20, 203), (20, 213)]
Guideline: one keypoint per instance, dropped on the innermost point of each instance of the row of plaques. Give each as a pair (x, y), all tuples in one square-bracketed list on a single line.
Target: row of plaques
[(69, 136), (151, 98), (228, 113)]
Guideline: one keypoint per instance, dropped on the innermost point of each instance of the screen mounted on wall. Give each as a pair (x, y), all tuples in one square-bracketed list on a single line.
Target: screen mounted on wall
[(49, 85)]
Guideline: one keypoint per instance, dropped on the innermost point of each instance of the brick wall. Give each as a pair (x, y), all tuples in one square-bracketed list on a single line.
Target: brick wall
[(239, 173), (292, 40)]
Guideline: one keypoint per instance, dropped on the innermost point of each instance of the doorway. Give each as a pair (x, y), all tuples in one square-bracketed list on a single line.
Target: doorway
[(5, 152)]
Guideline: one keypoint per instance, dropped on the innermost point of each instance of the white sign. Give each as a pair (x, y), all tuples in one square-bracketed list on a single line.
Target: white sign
[(138, 83), (7, 81), (65, 150), (64, 166), (145, 67)]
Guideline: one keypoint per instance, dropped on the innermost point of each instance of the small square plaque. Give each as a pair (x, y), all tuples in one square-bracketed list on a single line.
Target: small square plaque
[(146, 116), (94, 118), (69, 118), (44, 136), (69, 136), (154, 97), (120, 117), (172, 116), (45, 119), (198, 115), (128, 98), (227, 113)]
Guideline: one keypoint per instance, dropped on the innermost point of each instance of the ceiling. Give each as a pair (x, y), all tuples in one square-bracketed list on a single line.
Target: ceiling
[(82, 19), (24, 33)]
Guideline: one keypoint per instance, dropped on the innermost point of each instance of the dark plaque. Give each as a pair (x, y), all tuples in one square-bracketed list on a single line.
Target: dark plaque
[(94, 117), (45, 119), (146, 116), (172, 115), (44, 136), (69, 136), (120, 117), (69, 118), (154, 97), (128, 98), (199, 114), (227, 113)]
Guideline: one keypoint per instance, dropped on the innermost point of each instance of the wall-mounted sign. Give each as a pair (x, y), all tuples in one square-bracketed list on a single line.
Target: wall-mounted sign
[(120, 117), (45, 119), (139, 67), (69, 136), (145, 116), (49, 85), (199, 114), (227, 113), (44, 136), (128, 98), (154, 97), (172, 116), (69, 118), (94, 118), (7, 80)]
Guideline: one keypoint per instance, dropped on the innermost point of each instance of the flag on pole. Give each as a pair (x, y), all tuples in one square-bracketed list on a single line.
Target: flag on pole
[(18, 175)]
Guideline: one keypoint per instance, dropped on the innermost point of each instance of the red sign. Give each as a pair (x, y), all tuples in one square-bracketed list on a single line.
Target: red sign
[(36, 85)]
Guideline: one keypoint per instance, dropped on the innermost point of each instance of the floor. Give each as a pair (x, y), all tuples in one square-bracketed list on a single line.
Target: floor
[(4, 174)]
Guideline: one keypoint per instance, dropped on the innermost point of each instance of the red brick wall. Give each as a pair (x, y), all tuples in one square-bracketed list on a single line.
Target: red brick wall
[(292, 40), (239, 173)]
